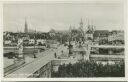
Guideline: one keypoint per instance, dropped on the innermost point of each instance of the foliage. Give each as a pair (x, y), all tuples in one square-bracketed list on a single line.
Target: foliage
[(90, 69), (11, 55)]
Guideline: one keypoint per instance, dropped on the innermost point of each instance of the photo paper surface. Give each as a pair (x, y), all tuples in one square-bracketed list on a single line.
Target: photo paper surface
[(64, 39)]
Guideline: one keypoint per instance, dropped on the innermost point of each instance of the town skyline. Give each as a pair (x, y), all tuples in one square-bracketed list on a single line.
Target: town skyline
[(48, 16)]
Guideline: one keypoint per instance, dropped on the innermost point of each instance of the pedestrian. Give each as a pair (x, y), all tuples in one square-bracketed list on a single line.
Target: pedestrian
[(55, 55), (62, 52)]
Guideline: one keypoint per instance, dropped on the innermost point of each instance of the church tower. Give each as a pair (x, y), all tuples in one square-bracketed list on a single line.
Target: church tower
[(26, 27), (81, 25), (81, 30)]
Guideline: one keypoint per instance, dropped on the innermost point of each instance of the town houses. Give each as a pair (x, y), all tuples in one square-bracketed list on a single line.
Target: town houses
[(77, 44), (116, 37), (82, 33)]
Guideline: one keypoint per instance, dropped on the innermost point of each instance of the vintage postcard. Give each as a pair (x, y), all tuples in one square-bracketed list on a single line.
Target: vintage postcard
[(64, 39)]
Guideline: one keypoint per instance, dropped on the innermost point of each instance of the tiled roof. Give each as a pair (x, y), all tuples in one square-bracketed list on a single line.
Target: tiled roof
[(98, 33), (89, 32)]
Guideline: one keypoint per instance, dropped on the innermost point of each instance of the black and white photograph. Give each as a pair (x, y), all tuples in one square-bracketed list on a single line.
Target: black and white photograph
[(67, 39)]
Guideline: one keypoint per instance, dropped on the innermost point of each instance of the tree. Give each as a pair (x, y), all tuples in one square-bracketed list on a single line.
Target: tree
[(90, 69)]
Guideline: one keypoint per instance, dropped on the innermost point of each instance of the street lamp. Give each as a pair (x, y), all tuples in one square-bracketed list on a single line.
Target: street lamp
[(34, 45)]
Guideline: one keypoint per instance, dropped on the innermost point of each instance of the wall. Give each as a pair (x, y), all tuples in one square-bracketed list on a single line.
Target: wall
[(44, 71)]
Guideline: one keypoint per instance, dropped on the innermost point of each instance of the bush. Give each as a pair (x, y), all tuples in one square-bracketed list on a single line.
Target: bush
[(90, 69), (10, 55)]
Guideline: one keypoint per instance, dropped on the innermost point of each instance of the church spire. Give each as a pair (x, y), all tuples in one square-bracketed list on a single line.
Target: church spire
[(70, 28), (81, 24), (26, 26)]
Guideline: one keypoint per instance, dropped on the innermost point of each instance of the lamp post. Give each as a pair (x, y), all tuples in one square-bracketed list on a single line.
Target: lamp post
[(20, 49), (34, 45)]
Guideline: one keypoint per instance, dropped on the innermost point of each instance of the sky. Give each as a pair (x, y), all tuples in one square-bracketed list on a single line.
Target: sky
[(105, 15)]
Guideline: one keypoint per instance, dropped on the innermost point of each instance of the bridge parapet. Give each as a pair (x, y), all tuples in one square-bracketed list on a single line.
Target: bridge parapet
[(107, 57), (37, 68)]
